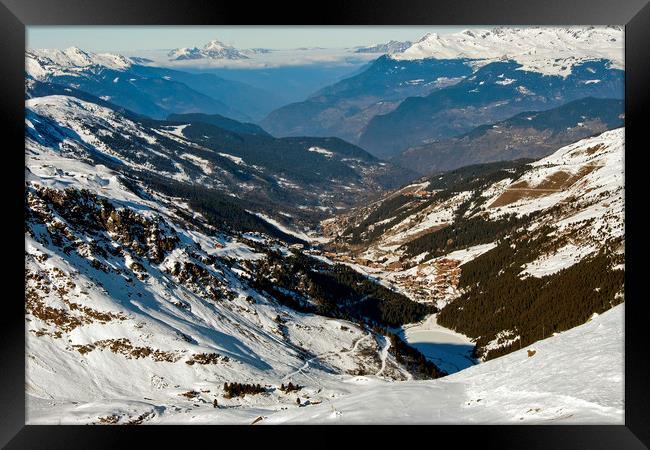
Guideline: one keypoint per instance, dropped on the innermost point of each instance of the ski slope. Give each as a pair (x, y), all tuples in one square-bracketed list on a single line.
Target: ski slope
[(573, 377)]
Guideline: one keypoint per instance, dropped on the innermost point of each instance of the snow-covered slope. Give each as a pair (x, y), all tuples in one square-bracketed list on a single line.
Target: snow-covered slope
[(574, 377), (549, 50), (587, 175), (137, 309), (43, 63)]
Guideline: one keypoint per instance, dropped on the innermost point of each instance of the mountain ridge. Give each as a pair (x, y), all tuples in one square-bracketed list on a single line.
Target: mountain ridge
[(148, 90), (548, 50), (494, 92), (530, 134), (344, 108)]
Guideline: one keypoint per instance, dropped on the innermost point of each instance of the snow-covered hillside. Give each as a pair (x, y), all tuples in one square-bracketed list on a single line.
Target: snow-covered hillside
[(240, 166), (495, 246), (587, 175), (574, 377), (549, 50), (138, 309), (578, 190)]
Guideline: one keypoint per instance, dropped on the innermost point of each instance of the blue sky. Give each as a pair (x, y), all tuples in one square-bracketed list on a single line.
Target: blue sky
[(123, 38)]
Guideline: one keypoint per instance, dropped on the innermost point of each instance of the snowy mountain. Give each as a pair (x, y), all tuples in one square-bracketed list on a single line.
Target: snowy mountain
[(446, 85), (234, 163), (551, 382), (493, 245), (494, 92), (117, 79), (42, 64), (548, 50), (385, 48), (139, 311), (143, 300), (135, 84), (185, 265), (212, 50)]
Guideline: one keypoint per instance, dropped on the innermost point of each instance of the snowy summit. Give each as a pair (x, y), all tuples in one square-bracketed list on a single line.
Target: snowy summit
[(42, 63), (549, 50), (212, 50)]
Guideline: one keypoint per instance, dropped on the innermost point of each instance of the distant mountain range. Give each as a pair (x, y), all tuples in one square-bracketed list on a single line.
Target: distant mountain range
[(395, 104), (532, 134), (494, 92), (345, 108), (547, 50), (212, 50), (152, 91), (388, 47), (252, 102)]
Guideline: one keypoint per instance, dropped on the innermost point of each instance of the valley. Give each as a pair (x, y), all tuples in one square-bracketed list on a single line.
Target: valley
[(437, 237), (195, 306)]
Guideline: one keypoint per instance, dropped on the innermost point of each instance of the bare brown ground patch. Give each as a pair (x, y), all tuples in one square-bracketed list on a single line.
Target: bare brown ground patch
[(555, 182), (123, 346), (511, 196), (591, 150), (41, 283)]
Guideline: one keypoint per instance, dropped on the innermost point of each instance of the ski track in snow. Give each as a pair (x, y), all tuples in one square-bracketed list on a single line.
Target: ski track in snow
[(383, 355), (356, 344), (305, 366)]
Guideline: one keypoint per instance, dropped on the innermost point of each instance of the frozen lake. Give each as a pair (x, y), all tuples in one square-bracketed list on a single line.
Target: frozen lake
[(449, 350)]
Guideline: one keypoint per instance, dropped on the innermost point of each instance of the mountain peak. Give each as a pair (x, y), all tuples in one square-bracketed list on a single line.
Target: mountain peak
[(216, 45), (75, 51), (428, 36), (214, 49)]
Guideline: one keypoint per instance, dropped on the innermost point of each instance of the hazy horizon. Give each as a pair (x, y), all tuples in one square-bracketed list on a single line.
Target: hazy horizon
[(134, 38)]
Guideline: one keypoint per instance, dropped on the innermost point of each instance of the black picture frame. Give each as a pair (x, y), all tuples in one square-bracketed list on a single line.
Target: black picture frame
[(15, 15)]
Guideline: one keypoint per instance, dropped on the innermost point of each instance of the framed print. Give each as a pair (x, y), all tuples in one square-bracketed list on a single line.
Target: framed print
[(415, 214)]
